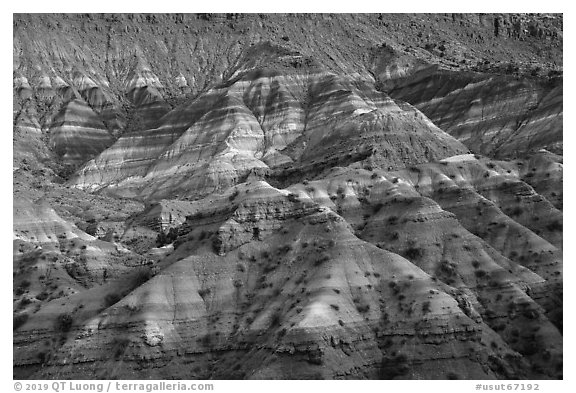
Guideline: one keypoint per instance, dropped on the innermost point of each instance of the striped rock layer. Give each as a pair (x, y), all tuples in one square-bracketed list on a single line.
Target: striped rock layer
[(265, 124), (227, 196)]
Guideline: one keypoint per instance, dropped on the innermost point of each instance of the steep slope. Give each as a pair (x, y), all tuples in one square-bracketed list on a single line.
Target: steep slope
[(77, 134), (230, 196), (494, 115), (224, 139), (317, 299)]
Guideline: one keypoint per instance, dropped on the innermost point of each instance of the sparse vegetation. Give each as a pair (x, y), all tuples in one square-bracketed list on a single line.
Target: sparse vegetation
[(204, 292), (394, 366), (554, 226), (166, 238), (293, 197), (119, 345), (233, 195), (413, 253), (19, 320), (111, 299), (64, 322), (426, 307), (516, 211)]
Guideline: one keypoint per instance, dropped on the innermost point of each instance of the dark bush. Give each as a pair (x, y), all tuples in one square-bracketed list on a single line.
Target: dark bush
[(321, 259), (42, 295), (293, 197), (203, 292), (363, 308), (234, 195), (480, 273), (111, 298), (426, 307), (162, 239), (393, 366), (120, 345), (276, 319), (413, 252), (554, 226), (19, 320), (64, 322)]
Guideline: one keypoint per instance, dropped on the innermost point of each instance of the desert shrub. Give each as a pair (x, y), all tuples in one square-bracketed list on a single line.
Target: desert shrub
[(335, 307), (426, 307), (24, 302), (42, 296), (276, 318), (480, 273), (530, 314), (392, 220), (142, 277), (217, 244), (120, 344), (237, 283), (42, 356), (233, 195), (293, 197), (393, 366), (377, 207), (554, 226), (203, 292), (166, 238), (285, 249), (363, 308), (111, 298), (413, 252), (19, 320), (324, 257), (64, 322)]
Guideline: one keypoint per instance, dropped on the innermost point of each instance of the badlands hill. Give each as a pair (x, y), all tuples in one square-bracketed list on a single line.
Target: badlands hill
[(288, 196)]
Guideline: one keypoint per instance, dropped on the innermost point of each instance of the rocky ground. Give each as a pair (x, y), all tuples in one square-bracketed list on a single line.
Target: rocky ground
[(288, 196)]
